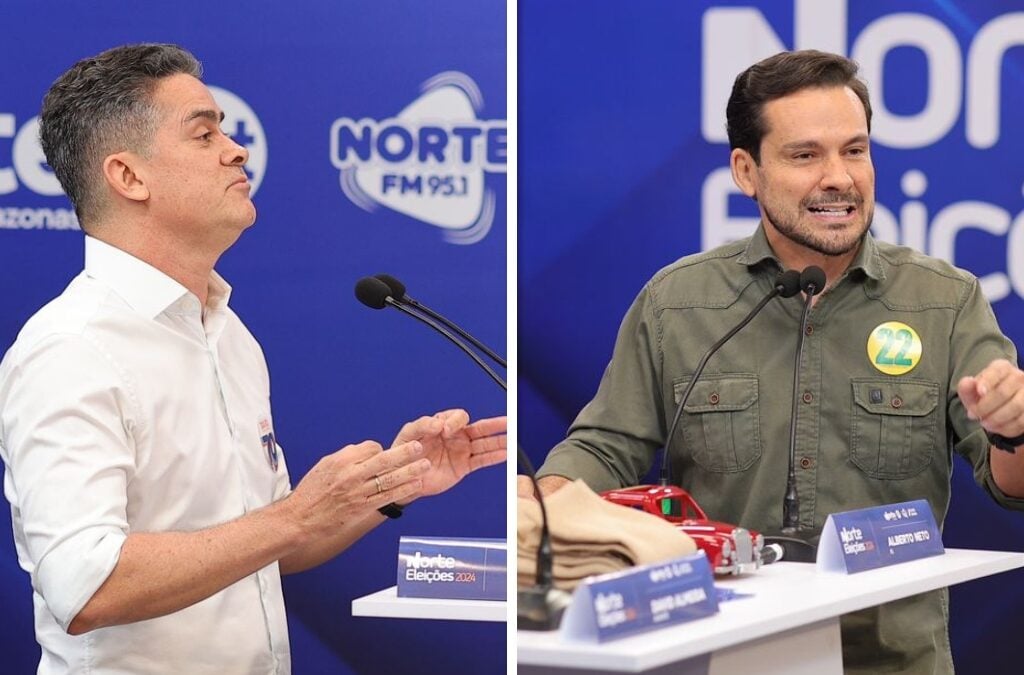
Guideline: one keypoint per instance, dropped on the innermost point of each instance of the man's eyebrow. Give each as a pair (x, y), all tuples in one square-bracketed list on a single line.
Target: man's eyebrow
[(811, 145), (211, 115), (800, 145)]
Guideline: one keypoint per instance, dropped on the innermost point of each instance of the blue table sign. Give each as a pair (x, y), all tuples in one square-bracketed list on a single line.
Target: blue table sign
[(452, 568), (866, 539), (625, 603)]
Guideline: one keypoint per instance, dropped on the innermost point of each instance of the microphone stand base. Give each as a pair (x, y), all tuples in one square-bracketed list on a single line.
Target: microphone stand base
[(540, 608), (794, 549)]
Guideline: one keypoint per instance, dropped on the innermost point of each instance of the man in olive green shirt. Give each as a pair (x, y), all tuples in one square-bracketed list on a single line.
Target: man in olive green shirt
[(903, 361)]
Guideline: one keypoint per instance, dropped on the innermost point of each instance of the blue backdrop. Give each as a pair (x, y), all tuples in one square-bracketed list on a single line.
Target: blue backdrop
[(623, 168), (286, 74)]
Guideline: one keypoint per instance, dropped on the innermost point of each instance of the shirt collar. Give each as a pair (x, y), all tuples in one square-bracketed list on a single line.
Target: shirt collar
[(758, 250), (868, 259), (146, 289), (218, 292)]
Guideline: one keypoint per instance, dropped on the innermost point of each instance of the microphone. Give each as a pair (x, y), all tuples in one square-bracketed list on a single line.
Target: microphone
[(376, 294), (787, 284), (398, 295), (812, 282), (541, 606)]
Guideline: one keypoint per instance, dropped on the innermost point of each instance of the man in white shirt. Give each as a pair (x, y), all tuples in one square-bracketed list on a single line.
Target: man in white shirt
[(151, 503)]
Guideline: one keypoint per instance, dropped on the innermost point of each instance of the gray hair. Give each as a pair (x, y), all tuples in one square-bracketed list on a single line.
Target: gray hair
[(102, 105)]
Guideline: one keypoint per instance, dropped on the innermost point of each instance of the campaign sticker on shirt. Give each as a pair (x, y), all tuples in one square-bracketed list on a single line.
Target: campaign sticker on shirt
[(894, 348), (267, 439)]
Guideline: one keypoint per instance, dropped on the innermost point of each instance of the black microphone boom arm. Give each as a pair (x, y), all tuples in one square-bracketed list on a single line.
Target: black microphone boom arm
[(391, 302)]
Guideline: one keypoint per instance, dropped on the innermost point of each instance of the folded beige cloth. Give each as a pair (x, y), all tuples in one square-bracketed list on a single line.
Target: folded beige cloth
[(592, 536)]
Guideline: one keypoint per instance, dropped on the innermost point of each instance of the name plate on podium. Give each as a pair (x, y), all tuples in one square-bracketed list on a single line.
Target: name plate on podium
[(452, 568), (643, 598), (866, 539)]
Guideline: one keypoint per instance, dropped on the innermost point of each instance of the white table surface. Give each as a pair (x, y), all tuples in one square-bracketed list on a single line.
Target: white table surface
[(386, 603), (787, 595)]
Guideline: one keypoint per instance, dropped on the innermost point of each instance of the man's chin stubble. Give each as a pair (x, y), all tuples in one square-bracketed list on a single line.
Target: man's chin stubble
[(794, 235)]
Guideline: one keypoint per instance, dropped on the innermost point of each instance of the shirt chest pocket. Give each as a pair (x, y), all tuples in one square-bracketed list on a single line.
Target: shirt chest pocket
[(892, 432), (720, 427)]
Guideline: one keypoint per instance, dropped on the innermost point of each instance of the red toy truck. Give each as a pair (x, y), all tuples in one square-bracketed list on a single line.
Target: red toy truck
[(730, 549)]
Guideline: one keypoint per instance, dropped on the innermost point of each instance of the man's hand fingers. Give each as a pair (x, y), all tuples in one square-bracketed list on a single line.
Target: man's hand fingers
[(479, 461), (383, 462), (1008, 418), (454, 421), (487, 427), (445, 414), (995, 396), (967, 390), (392, 479), (419, 428), (358, 452), (448, 423), (490, 444), (994, 387), (402, 493)]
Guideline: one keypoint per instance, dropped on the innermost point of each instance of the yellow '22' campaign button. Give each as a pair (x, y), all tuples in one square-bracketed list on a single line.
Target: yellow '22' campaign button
[(894, 348)]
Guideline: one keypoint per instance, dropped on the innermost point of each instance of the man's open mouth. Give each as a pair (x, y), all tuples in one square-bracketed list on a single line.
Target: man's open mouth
[(833, 210)]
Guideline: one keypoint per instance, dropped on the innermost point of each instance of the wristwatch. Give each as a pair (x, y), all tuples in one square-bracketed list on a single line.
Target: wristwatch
[(391, 510), (1006, 444)]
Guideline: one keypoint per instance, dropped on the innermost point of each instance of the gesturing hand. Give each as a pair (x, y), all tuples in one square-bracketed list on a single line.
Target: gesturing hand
[(356, 480), (454, 446), (995, 397)]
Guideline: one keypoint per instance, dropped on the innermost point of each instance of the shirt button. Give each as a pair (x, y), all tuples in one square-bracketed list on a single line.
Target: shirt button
[(714, 398), (897, 402), (808, 397), (809, 329), (806, 462)]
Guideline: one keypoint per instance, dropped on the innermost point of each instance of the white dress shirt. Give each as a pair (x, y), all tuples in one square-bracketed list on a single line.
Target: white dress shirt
[(125, 406)]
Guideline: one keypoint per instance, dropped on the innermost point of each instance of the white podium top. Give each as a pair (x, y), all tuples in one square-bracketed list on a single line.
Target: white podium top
[(786, 596), (386, 603)]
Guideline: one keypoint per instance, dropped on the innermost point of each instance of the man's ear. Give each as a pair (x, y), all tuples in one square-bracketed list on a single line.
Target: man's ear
[(744, 171), (120, 172)]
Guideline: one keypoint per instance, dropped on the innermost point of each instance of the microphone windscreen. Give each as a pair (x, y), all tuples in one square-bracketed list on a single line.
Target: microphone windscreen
[(396, 286), (372, 292), (812, 280), (788, 283)]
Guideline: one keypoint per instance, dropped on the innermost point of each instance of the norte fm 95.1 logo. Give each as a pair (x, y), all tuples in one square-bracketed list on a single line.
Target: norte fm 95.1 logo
[(429, 161)]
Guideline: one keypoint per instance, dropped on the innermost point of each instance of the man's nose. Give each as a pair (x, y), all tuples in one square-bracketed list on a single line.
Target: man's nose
[(835, 174), (235, 154)]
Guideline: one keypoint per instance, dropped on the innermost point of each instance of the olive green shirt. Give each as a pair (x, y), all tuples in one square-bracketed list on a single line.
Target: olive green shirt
[(863, 437)]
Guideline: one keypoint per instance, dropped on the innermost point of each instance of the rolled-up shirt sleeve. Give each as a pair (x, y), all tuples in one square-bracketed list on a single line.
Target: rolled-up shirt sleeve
[(977, 341), (66, 422)]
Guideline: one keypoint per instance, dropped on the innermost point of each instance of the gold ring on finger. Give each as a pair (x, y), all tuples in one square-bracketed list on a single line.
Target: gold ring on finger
[(380, 488)]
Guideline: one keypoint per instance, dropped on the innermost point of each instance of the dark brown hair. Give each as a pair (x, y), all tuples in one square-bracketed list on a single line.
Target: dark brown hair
[(778, 76), (100, 106)]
